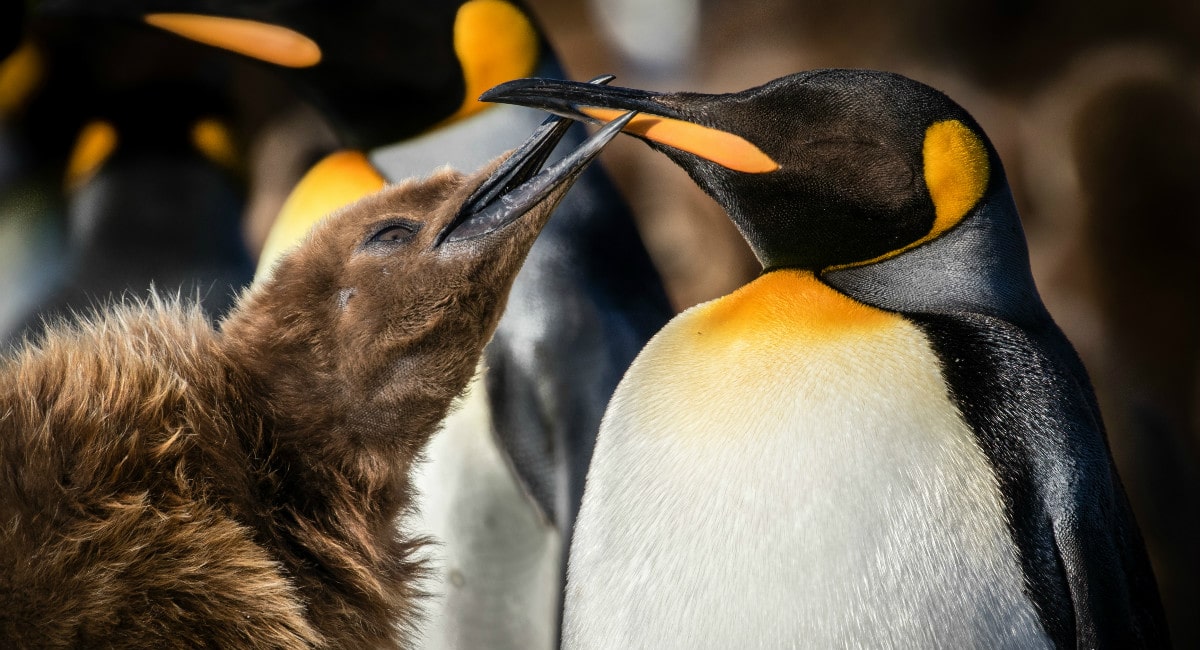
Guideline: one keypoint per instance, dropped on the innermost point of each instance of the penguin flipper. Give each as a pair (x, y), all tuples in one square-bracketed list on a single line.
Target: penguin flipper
[(1027, 397)]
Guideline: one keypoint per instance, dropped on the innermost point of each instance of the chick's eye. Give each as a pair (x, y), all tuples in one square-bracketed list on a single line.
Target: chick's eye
[(395, 232)]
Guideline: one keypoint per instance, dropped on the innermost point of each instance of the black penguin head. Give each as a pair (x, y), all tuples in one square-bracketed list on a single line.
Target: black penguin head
[(381, 70), (820, 169)]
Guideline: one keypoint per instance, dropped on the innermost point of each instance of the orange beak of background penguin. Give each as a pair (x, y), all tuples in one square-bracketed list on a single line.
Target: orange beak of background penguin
[(655, 122), (516, 186)]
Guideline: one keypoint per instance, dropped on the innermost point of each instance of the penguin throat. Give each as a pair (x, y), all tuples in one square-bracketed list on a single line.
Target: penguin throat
[(789, 302), (825, 234)]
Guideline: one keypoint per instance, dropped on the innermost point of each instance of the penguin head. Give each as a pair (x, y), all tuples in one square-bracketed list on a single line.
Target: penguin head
[(396, 294), (379, 70), (818, 170)]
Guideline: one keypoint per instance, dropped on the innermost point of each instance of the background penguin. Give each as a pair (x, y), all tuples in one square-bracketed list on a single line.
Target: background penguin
[(34, 149), (884, 439), (240, 488), (123, 159)]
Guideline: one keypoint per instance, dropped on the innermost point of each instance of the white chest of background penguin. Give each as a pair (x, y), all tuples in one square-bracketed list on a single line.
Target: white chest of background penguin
[(884, 440)]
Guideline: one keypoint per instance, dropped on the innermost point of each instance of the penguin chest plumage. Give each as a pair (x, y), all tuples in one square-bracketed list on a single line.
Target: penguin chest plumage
[(784, 467)]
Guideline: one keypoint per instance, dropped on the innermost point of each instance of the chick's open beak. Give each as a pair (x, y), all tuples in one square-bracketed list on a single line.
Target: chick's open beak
[(516, 186)]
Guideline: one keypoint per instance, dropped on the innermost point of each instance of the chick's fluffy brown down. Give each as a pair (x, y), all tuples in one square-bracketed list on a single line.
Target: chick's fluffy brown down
[(168, 484)]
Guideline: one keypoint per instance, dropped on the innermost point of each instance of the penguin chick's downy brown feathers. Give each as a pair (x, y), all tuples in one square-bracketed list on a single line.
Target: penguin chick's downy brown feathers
[(171, 485)]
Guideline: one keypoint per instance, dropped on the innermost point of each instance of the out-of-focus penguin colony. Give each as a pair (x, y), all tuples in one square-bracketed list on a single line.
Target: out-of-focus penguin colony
[(131, 156)]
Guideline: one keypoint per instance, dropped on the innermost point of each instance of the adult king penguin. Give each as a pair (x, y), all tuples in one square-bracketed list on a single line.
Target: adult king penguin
[(882, 441), (398, 81)]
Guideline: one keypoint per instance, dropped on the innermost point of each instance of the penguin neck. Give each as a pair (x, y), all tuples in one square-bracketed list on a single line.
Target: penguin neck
[(795, 302), (979, 266)]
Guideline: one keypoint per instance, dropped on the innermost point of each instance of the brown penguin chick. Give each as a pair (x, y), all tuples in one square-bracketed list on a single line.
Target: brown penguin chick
[(171, 485)]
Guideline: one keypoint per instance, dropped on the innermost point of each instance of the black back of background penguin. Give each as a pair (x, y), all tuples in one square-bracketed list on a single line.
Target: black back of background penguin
[(890, 242)]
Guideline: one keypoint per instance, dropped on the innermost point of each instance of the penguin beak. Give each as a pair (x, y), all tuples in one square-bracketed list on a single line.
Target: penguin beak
[(516, 186), (657, 122)]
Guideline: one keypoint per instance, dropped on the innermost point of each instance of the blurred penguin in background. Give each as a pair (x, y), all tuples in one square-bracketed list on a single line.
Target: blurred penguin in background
[(125, 162), (33, 154), (397, 83)]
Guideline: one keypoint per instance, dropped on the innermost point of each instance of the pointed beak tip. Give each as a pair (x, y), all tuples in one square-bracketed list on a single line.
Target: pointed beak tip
[(500, 90), (499, 204)]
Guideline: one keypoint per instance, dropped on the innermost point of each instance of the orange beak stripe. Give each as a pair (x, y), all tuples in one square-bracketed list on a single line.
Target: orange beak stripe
[(726, 149), (262, 41)]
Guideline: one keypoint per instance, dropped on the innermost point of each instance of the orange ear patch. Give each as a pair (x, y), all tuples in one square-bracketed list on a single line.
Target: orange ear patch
[(212, 138), (262, 41), (724, 148), (956, 172), (20, 74), (96, 142)]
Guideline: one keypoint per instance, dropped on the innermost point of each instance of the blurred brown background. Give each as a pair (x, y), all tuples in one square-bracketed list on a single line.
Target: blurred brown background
[(1095, 109)]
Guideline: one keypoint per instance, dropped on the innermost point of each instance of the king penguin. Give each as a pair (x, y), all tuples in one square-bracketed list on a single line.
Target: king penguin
[(882, 441), (399, 83)]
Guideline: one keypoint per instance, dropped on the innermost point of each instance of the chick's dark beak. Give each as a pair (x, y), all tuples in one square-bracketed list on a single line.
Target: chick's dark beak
[(658, 122), (516, 186)]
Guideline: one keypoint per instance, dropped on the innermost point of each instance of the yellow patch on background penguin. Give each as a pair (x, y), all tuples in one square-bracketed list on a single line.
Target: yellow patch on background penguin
[(726, 149), (96, 142), (495, 42), (338, 180), (263, 41), (212, 138), (956, 172), (20, 74)]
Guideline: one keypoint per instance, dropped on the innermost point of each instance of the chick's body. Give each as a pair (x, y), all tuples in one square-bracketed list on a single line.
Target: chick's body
[(170, 484), (134, 443)]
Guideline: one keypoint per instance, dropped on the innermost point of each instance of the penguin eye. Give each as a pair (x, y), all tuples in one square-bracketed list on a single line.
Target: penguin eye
[(395, 232)]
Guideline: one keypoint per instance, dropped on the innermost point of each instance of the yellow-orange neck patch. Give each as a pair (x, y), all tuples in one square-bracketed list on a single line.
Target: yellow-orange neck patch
[(263, 41), (724, 148), (340, 179), (495, 42), (787, 302), (96, 142)]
